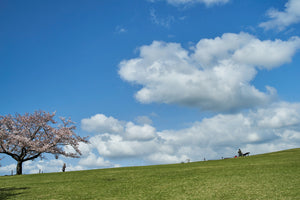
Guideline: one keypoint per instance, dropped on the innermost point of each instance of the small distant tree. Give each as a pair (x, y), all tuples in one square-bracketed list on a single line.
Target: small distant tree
[(29, 136)]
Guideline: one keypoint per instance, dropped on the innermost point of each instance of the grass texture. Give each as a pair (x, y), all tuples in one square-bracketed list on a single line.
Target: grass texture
[(274, 176)]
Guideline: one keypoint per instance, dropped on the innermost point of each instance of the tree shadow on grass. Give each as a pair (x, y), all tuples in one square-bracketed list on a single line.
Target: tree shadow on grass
[(8, 192)]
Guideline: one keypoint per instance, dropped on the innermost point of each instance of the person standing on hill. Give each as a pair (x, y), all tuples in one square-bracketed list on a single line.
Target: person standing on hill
[(64, 167), (240, 153)]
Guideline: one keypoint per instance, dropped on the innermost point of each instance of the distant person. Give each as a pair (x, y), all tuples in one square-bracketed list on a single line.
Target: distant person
[(240, 153), (64, 167)]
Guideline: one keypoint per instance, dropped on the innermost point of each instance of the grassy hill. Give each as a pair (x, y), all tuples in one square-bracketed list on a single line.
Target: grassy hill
[(268, 176)]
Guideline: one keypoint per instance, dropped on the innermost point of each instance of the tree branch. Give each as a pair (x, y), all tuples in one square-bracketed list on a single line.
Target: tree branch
[(14, 156), (35, 132), (33, 157)]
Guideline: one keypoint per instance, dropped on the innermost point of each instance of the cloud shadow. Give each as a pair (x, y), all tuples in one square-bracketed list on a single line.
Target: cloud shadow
[(8, 192)]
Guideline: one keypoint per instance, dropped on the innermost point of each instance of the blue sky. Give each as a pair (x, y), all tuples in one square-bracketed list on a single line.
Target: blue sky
[(154, 82)]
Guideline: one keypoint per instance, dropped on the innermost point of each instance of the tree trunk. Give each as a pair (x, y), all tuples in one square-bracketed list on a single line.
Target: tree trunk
[(19, 167)]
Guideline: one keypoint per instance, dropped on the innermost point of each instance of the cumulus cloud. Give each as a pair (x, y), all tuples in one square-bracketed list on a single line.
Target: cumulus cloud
[(117, 146), (215, 74), (100, 123), (43, 166), (282, 19), (284, 115), (189, 2), (164, 158), (275, 127), (7, 169), (245, 49), (247, 128), (135, 132), (93, 161), (272, 128)]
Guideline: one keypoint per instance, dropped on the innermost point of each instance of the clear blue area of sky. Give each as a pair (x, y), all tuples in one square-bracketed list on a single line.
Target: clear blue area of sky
[(64, 55)]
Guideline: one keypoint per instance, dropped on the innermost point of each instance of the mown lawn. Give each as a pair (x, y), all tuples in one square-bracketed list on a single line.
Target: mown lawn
[(269, 176)]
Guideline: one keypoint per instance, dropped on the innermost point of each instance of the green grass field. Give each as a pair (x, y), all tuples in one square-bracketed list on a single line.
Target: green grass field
[(269, 176)]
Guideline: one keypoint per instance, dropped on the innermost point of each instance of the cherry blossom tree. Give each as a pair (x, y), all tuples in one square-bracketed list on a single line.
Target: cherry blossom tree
[(29, 136)]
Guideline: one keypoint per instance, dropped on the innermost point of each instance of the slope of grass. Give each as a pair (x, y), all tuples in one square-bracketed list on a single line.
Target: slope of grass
[(268, 176)]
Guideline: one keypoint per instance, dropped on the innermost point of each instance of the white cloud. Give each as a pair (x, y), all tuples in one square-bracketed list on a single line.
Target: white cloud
[(189, 2), (275, 127), (46, 166), (163, 158), (41, 166), (117, 146), (164, 22), (93, 161), (100, 124), (282, 115), (223, 134), (282, 19), (54, 165), (7, 169), (215, 75), (120, 29), (245, 49), (135, 132), (143, 120)]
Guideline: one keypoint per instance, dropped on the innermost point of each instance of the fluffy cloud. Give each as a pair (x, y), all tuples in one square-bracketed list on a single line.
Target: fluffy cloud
[(188, 2), (7, 169), (117, 146), (245, 49), (214, 75), (163, 158), (275, 124), (100, 123), (93, 161), (143, 120), (281, 19), (285, 115), (134, 132), (40, 166), (273, 128)]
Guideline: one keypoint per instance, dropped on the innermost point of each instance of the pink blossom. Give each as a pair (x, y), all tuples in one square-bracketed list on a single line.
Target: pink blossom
[(29, 136)]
